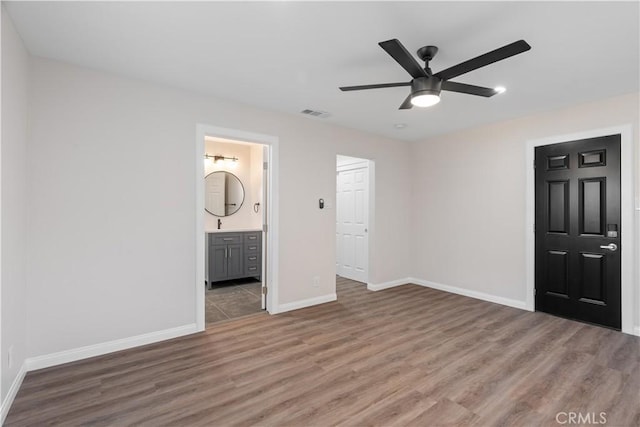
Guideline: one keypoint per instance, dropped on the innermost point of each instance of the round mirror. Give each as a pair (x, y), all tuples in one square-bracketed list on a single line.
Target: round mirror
[(224, 193)]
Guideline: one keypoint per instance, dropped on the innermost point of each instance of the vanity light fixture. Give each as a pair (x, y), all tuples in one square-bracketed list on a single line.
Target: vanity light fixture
[(218, 159)]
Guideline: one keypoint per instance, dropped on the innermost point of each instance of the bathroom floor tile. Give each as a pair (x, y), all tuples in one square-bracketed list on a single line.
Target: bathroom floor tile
[(232, 299)]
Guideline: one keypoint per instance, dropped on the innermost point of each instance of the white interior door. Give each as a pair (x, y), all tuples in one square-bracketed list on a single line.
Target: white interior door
[(352, 217)]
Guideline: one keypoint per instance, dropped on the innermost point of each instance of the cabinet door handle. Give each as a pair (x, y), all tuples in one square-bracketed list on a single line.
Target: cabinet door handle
[(229, 253), (252, 258), (226, 239), (225, 252), (252, 237)]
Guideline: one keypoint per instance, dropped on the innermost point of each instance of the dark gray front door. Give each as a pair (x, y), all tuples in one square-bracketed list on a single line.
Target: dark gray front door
[(578, 230)]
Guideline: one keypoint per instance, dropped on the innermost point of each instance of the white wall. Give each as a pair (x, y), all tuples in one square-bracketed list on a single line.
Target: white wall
[(245, 170), (111, 239), (468, 198), (13, 213)]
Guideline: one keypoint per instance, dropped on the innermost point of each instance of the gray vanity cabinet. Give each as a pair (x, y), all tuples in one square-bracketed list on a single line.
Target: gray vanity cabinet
[(234, 255)]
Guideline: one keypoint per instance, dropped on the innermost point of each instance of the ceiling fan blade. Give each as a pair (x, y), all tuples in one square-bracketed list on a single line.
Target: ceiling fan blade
[(398, 52), (378, 86), (406, 105), (468, 89), (499, 54)]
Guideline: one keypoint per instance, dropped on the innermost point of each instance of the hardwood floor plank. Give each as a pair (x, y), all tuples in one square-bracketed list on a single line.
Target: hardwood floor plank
[(542, 388), (444, 413), (406, 356), (397, 408)]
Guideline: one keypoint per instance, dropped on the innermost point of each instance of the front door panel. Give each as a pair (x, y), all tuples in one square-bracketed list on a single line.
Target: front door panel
[(578, 241)]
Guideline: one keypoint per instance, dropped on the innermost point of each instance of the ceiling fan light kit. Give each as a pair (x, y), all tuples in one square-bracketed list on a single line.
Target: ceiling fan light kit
[(425, 91), (426, 86)]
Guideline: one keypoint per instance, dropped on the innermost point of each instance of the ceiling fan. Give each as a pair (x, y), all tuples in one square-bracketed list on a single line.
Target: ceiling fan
[(426, 86)]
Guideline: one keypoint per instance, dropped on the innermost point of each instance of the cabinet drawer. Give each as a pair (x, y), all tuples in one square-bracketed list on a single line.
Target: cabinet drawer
[(252, 248), (252, 237), (224, 238), (250, 259), (252, 270)]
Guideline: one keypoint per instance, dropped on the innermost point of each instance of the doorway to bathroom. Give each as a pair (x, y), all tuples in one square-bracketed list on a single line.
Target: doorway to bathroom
[(233, 223), (233, 236), (354, 183)]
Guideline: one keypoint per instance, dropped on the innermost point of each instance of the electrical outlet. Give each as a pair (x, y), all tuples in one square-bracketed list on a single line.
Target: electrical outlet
[(316, 281), (10, 357)]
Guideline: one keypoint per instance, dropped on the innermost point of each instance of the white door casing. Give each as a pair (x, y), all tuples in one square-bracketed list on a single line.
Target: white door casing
[(352, 218), (265, 228), (271, 244), (630, 290)]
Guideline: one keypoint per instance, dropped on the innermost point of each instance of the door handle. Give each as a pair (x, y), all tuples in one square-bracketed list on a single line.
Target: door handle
[(611, 246)]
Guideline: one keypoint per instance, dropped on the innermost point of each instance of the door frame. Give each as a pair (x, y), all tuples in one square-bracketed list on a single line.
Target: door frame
[(361, 164), (630, 294), (271, 199)]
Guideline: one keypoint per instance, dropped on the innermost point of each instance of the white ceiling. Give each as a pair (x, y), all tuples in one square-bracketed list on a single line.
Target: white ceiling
[(289, 56)]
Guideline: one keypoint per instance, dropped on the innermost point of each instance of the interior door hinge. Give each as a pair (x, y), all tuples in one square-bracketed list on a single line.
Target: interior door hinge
[(265, 227), (265, 165), (264, 290)]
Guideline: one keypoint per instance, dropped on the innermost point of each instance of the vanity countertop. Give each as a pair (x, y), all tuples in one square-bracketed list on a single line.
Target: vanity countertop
[(235, 230)]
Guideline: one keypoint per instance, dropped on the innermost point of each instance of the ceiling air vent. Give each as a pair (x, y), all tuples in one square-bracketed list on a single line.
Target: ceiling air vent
[(316, 113)]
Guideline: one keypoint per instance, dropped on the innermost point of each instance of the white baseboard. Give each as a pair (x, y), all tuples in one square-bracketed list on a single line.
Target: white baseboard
[(11, 394), (387, 285), (282, 308), (469, 293), (48, 360)]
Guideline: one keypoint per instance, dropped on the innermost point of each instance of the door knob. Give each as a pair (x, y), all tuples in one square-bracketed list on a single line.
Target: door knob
[(611, 246)]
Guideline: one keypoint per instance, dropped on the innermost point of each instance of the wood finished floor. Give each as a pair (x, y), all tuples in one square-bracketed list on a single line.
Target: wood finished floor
[(407, 356)]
